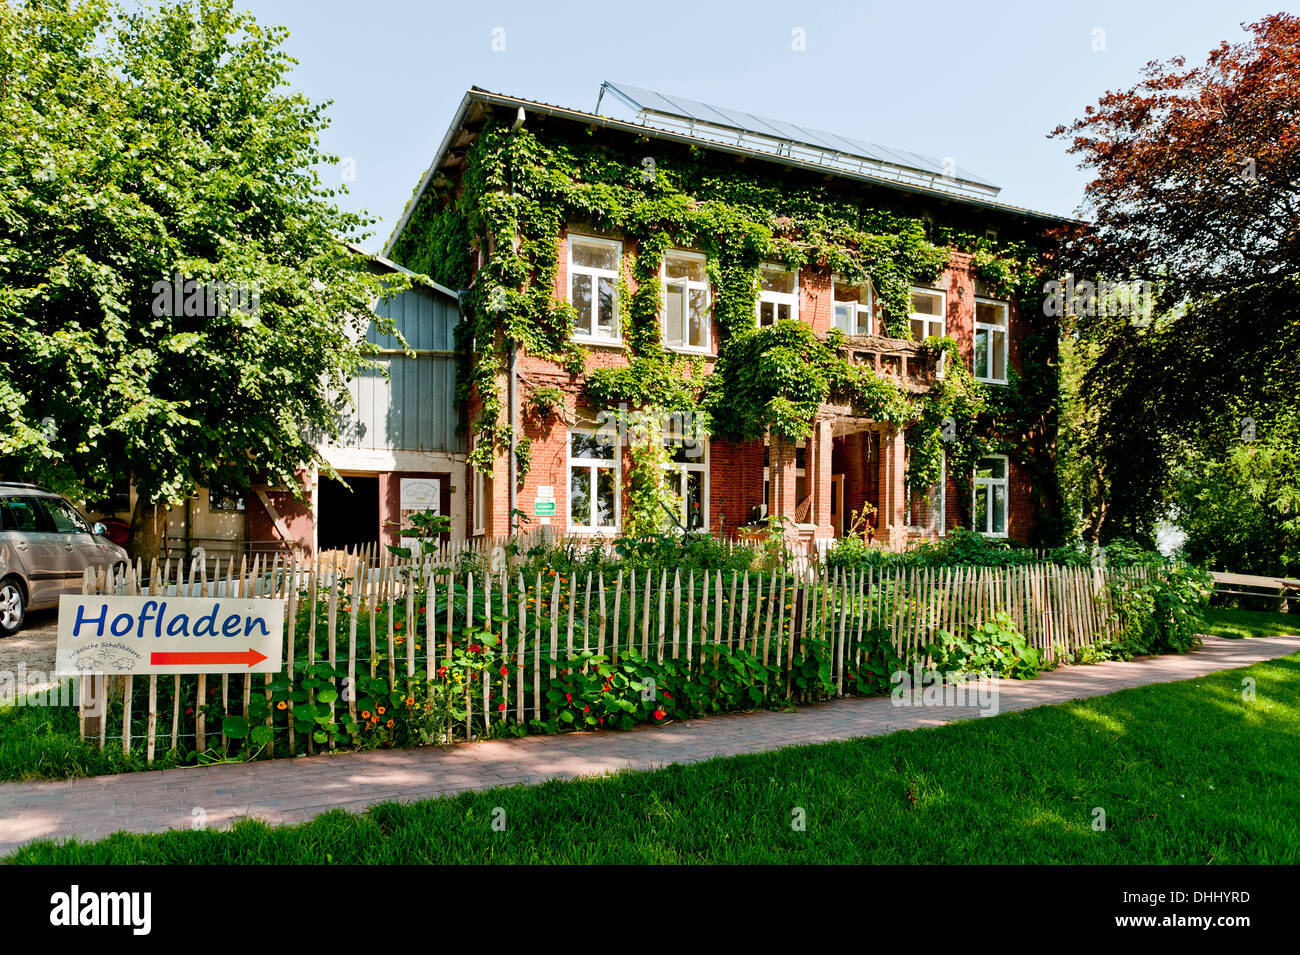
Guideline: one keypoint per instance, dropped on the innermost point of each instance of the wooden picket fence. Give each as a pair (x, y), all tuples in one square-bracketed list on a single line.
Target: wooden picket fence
[(403, 619)]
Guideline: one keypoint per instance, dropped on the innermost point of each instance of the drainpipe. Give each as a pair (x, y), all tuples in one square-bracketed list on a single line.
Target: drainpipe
[(514, 421), (513, 389)]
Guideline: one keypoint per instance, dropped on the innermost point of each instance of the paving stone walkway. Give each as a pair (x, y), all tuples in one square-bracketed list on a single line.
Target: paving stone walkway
[(295, 790)]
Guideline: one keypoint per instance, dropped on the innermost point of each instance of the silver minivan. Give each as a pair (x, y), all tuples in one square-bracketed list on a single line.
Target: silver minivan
[(45, 548)]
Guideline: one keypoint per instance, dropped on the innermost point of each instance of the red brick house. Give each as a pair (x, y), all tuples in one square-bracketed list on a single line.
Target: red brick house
[(580, 470)]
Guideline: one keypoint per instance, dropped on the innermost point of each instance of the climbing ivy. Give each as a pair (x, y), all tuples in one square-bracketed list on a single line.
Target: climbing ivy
[(521, 188)]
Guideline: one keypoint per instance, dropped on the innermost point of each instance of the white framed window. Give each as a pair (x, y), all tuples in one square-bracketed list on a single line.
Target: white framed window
[(687, 476), (925, 511), (991, 495), (686, 301), (594, 269), (852, 306), (593, 465), (929, 306), (480, 501), (778, 295), (992, 325)]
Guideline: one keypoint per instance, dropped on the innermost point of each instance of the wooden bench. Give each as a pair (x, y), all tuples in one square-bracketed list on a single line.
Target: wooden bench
[(1250, 585)]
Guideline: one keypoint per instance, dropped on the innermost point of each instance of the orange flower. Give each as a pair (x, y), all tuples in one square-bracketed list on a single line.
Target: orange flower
[(281, 705), (379, 710), (365, 714), (389, 724)]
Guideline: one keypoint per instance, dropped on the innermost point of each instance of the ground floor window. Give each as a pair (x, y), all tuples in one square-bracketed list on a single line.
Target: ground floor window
[(593, 481), (991, 495), (925, 510), (687, 477), (225, 497)]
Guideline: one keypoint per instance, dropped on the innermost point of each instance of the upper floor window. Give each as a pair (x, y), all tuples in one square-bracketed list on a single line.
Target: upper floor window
[(686, 301), (594, 266), (852, 304), (991, 326), (593, 481), (927, 313), (778, 295), (991, 495)]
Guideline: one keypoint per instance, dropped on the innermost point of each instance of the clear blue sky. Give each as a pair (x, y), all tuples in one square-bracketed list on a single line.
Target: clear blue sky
[(982, 82)]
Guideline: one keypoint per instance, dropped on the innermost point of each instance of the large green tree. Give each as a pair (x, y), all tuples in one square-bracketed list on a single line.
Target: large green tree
[(139, 148), (1195, 190)]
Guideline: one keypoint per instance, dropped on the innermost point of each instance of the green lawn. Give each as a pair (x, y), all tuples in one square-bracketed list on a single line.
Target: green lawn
[(43, 742), (1186, 773), (1227, 622)]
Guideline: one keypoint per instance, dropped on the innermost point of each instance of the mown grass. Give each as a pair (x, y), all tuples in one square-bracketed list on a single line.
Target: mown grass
[(1229, 622), (43, 742), (1186, 772)]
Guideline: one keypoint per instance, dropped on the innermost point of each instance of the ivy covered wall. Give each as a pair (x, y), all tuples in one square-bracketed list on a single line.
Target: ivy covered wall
[(520, 189)]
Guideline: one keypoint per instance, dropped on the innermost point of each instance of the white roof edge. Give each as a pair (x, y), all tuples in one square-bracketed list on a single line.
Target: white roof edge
[(390, 264)]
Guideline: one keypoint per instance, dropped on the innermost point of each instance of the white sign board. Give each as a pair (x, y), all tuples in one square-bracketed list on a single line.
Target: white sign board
[(134, 635), (417, 495)]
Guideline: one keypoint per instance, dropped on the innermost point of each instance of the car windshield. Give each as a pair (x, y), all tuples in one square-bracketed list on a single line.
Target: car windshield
[(65, 517)]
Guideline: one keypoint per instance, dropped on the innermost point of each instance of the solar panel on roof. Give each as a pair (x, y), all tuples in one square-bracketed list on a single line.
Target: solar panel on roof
[(659, 109)]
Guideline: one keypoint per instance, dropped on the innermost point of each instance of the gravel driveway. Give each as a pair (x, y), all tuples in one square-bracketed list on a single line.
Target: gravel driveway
[(32, 646)]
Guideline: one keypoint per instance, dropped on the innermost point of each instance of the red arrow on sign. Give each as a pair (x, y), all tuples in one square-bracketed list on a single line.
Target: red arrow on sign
[(206, 658)]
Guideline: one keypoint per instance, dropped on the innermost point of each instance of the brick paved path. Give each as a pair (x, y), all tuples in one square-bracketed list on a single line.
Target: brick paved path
[(294, 790)]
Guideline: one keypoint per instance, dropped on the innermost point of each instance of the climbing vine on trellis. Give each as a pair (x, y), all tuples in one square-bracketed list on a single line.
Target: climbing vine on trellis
[(521, 188)]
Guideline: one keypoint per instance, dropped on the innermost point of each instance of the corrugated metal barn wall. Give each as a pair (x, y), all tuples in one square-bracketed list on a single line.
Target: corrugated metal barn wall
[(415, 408)]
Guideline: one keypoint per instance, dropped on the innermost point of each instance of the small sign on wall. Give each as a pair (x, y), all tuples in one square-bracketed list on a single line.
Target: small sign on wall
[(544, 504), (142, 635), (417, 495)]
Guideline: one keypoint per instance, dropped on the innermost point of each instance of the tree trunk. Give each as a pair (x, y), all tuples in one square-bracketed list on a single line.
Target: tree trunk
[(148, 530)]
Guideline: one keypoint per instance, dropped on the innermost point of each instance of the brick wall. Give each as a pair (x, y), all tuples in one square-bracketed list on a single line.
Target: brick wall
[(736, 472)]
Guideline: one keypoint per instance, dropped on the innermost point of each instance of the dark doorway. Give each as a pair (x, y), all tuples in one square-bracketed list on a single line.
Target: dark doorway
[(348, 516)]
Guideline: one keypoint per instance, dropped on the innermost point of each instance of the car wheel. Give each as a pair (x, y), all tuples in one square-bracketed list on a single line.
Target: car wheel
[(13, 606)]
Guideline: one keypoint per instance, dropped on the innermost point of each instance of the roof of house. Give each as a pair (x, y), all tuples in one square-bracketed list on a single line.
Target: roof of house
[(677, 119), (390, 265)]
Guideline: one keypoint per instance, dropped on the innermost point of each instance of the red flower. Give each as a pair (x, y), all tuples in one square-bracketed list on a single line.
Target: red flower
[(587, 708), (568, 697), (659, 713), (668, 695), (501, 707), (398, 625), (605, 688), (442, 671), (505, 671)]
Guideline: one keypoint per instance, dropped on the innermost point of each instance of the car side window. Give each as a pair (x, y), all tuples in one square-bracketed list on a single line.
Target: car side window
[(23, 514), (65, 517)]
